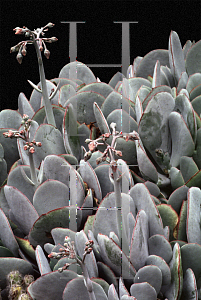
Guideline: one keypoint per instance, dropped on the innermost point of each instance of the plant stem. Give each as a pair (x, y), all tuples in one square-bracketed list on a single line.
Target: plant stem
[(33, 170), (117, 190), (48, 106), (88, 282)]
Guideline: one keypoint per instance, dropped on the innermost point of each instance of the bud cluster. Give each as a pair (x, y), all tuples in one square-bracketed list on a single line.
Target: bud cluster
[(34, 36), (26, 121), (92, 144), (69, 250)]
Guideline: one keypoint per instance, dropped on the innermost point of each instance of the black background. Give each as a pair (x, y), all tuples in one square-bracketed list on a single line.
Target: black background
[(98, 40)]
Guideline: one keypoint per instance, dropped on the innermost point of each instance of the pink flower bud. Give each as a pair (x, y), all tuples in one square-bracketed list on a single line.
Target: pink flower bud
[(26, 147), (19, 58), (24, 52), (47, 53), (10, 133), (32, 150), (38, 144), (54, 39), (18, 30)]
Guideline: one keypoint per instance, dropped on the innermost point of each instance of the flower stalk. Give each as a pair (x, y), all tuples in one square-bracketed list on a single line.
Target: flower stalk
[(69, 250), (39, 44), (108, 155), (28, 146)]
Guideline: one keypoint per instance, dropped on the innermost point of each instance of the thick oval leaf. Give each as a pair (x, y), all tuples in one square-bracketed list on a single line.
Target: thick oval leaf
[(89, 176), (100, 119), (139, 241), (40, 233), (83, 105), (124, 122), (9, 264), (102, 173), (112, 293), (162, 265), (6, 235), (70, 133), (115, 258), (169, 218), (151, 274), (42, 261), (142, 291), (193, 224), (146, 66), (25, 106), (50, 285), (156, 75), (177, 197), (116, 101), (196, 103), (76, 289), (174, 290), (189, 291), (52, 142), (193, 59), (16, 179), (188, 167), (65, 92), (107, 274), (191, 258), (21, 207), (77, 70), (176, 56), (181, 230), (147, 169), (182, 82), (10, 119), (184, 107), (143, 200), (50, 195), (116, 78), (182, 146), (134, 85), (153, 127), (159, 245), (101, 88), (26, 247)]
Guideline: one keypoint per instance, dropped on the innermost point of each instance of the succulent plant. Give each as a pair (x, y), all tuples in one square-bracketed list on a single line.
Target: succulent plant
[(129, 204)]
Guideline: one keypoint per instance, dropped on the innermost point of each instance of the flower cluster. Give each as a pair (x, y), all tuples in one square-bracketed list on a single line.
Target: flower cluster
[(92, 144), (34, 37), (24, 134), (69, 250)]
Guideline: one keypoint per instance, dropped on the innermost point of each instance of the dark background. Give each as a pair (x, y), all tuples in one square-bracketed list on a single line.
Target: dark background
[(98, 40)]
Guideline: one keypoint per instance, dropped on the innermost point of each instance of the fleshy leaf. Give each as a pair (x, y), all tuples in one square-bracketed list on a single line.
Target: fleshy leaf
[(159, 245), (42, 261), (193, 224), (143, 290), (193, 59)]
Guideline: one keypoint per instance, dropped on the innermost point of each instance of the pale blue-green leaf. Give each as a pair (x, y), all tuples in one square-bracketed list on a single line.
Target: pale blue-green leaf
[(186, 47), (100, 119), (21, 207), (25, 106), (147, 64), (143, 200), (159, 245), (176, 56), (50, 195), (176, 178), (124, 122), (188, 167), (162, 265), (189, 291), (182, 142), (193, 59), (101, 88), (143, 290), (42, 261), (156, 75), (182, 81), (183, 106), (77, 70), (150, 274), (177, 197), (168, 75), (6, 235), (112, 293), (139, 245), (115, 79), (65, 92), (90, 260), (138, 108), (193, 216), (10, 119)]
